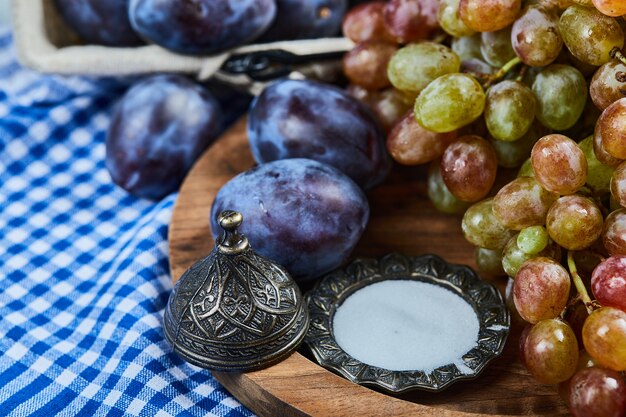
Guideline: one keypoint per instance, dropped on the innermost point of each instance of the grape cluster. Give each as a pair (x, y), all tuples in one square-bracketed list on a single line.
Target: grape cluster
[(538, 86)]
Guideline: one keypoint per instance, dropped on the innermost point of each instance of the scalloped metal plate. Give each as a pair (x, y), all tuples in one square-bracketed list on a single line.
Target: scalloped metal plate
[(334, 288)]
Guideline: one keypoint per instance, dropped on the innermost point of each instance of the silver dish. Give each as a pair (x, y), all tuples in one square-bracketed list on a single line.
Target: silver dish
[(333, 289)]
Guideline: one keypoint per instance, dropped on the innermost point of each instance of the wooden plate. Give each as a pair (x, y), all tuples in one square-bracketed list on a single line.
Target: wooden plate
[(402, 220)]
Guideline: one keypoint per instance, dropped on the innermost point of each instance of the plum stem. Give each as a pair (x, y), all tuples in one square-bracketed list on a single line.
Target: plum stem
[(578, 282), (617, 53)]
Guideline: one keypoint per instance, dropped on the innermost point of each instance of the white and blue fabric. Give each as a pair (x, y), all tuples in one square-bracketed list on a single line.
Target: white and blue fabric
[(84, 273)]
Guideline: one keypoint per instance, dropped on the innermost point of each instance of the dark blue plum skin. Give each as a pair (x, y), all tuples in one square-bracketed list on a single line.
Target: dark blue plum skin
[(304, 215), (297, 19), (307, 119), (197, 27), (102, 22), (158, 130)]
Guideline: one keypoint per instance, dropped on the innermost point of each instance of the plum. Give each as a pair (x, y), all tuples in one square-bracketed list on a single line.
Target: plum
[(102, 22), (158, 130), (198, 27), (305, 215), (307, 119), (297, 19)]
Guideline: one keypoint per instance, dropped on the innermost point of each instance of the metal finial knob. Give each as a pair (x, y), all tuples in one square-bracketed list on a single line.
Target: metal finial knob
[(231, 241)]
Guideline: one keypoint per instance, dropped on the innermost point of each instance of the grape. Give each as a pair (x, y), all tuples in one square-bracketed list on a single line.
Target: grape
[(413, 67), (366, 64), (601, 153), (513, 154), (574, 222), (608, 281), (305, 215), (496, 47), (535, 36), (597, 392), (614, 233), (467, 47), (526, 170), (561, 93), (611, 129), (559, 164), (103, 22), (438, 193), (411, 20), (291, 119), (489, 15), (157, 132), (523, 203), (598, 174), (590, 35), (606, 87), (604, 335), (513, 257), (551, 351), (509, 110), (388, 106), (541, 289), (296, 19), (450, 102), (610, 7), (202, 26), (508, 293), (533, 239), (489, 261), (481, 228), (449, 20), (365, 22), (411, 144), (469, 166), (618, 184)]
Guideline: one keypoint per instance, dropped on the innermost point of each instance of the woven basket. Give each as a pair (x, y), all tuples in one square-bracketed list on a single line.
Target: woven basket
[(46, 44)]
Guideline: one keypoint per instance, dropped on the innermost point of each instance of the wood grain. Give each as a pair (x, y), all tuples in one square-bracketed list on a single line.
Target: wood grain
[(402, 220)]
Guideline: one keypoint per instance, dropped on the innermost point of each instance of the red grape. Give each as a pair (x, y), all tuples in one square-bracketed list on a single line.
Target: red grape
[(608, 282), (559, 164), (604, 336), (611, 129), (411, 20), (366, 64), (614, 233), (365, 22), (597, 392), (522, 203), (489, 15)]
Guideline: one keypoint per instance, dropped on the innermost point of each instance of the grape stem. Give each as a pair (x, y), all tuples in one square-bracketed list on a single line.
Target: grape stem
[(578, 282), (493, 78), (617, 53)]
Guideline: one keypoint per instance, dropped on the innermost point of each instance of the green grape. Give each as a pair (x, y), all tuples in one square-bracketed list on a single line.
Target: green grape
[(526, 170), (513, 257), (439, 195), (489, 15), (449, 20), (574, 222), (535, 36), (559, 164), (606, 85), (541, 289), (611, 129), (533, 239), (482, 228), (467, 47), (449, 103), (598, 174), (604, 336), (561, 93), (589, 34), (489, 261), (513, 154), (509, 110), (413, 67), (551, 351), (523, 203), (496, 47)]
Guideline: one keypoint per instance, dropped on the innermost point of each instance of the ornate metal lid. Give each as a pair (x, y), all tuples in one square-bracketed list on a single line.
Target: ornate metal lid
[(235, 310)]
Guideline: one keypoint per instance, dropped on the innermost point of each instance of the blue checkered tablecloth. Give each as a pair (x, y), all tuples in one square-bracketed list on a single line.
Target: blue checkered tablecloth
[(84, 273)]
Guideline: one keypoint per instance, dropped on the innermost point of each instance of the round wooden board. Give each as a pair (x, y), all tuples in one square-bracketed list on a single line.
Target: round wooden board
[(402, 220)]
